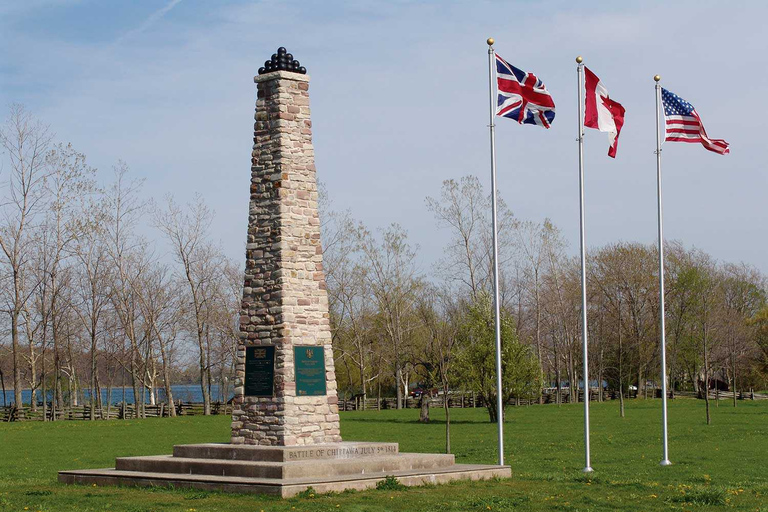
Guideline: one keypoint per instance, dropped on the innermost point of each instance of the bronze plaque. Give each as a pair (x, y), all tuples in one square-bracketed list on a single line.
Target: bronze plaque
[(309, 364), (260, 371)]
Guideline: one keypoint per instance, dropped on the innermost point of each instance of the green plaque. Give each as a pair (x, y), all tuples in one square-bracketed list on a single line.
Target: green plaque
[(260, 371), (309, 364)]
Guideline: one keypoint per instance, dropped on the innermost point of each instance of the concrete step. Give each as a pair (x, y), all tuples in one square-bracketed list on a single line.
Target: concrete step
[(359, 466), (226, 451), (188, 466), (298, 469), (281, 487)]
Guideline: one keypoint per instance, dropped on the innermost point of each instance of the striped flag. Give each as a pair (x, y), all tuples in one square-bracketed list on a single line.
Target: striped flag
[(683, 124)]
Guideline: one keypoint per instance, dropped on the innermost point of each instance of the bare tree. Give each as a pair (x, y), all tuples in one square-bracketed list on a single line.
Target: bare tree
[(68, 183), (94, 278), (441, 316), (127, 254), (532, 239), (394, 282), (26, 142), (186, 230)]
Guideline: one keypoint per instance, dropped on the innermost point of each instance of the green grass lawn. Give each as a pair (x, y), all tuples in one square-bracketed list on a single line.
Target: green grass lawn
[(723, 466)]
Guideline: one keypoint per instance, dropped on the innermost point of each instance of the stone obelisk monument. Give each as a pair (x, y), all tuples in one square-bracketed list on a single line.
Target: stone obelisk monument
[(285, 337), (285, 421)]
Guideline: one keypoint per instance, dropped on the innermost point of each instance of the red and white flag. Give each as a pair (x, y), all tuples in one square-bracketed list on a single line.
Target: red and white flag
[(601, 112)]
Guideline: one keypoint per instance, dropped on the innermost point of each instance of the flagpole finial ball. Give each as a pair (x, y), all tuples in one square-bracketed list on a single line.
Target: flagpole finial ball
[(579, 60), (657, 78), (490, 41)]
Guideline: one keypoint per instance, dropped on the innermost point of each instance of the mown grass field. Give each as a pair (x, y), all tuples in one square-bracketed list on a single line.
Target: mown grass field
[(723, 466)]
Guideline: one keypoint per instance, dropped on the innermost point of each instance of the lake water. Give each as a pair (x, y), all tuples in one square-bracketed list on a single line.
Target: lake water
[(185, 392)]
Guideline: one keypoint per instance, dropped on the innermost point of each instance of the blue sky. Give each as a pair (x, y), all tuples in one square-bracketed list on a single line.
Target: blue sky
[(399, 103)]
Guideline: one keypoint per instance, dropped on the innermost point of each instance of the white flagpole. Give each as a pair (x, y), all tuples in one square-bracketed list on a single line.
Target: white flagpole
[(585, 345), (665, 460), (497, 318)]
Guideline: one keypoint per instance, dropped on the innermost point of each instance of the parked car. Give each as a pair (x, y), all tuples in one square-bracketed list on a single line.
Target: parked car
[(417, 392)]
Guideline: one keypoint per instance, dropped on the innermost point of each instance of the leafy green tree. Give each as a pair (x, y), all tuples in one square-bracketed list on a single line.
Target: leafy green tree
[(476, 361)]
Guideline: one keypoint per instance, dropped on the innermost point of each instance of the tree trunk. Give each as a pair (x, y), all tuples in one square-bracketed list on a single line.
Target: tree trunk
[(621, 400), (600, 380), (95, 392), (398, 375), (33, 375), (137, 397), (706, 377), (204, 382), (122, 383), (490, 404), (58, 397), (361, 369), (16, 356), (42, 385), (538, 336), (733, 377), (448, 421), (99, 401), (558, 385), (424, 406), (573, 391), (2, 385), (167, 379)]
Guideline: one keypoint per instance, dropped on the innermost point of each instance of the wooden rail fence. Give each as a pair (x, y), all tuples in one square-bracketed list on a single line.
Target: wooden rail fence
[(467, 400), (83, 412)]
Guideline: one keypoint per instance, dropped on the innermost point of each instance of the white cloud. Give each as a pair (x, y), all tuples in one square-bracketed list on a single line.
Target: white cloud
[(147, 23)]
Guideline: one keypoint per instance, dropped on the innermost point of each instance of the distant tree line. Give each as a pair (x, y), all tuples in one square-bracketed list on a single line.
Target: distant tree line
[(88, 298), (101, 287), (396, 324)]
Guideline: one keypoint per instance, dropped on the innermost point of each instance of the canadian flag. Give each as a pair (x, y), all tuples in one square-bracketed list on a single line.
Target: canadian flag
[(602, 112)]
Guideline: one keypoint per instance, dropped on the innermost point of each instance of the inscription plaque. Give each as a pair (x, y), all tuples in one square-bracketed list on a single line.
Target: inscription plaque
[(260, 371), (309, 364)]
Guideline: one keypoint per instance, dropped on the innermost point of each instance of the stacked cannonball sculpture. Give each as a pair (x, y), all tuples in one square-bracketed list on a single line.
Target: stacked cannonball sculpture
[(282, 61)]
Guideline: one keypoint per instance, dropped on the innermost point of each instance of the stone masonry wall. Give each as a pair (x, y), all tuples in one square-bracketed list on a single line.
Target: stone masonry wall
[(285, 302)]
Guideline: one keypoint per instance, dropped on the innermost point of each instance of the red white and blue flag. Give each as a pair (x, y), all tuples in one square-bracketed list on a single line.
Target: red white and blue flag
[(522, 96), (683, 124)]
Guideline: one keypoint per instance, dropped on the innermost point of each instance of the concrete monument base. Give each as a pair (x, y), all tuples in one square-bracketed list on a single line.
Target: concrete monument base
[(283, 470)]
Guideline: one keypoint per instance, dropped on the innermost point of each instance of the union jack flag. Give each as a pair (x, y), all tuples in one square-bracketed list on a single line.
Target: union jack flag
[(683, 124), (522, 96)]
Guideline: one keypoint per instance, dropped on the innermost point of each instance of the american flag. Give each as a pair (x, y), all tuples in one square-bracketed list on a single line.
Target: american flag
[(684, 124), (522, 96)]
